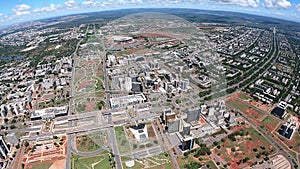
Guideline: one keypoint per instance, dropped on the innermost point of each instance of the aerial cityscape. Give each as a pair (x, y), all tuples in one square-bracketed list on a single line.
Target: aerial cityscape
[(157, 88)]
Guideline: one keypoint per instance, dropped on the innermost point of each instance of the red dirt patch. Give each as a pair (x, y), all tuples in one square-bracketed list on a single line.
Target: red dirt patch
[(270, 127), (88, 63), (85, 84), (250, 145), (252, 112), (256, 122), (59, 164), (90, 106), (237, 128)]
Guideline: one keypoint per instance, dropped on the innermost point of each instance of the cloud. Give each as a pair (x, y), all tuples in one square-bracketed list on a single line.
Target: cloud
[(298, 7), (244, 3), (71, 4), (22, 9), (6, 18), (113, 3), (91, 3), (1, 14), (88, 3), (277, 4), (50, 8)]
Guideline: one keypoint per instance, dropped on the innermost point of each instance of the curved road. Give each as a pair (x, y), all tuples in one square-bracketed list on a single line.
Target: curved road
[(92, 153)]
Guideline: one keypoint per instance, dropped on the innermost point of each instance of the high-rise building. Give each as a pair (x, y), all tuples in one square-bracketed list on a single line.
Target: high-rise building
[(128, 84), (185, 84), (125, 83)]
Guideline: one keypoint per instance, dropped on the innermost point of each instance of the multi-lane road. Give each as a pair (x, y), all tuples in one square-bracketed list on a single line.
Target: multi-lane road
[(68, 162)]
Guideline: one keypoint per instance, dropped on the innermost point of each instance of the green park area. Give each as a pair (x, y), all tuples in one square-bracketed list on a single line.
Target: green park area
[(270, 123), (244, 96), (246, 109), (122, 141), (161, 161), (100, 161), (197, 158), (99, 85), (91, 142)]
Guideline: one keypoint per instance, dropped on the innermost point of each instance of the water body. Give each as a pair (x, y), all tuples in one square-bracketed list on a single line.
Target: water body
[(11, 58)]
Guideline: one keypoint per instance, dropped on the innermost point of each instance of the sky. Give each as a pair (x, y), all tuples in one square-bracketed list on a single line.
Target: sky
[(14, 11)]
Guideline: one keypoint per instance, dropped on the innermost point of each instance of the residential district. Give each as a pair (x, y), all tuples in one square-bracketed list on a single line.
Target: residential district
[(136, 92)]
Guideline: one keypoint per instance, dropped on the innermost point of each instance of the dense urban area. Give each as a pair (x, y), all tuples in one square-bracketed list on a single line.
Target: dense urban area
[(148, 90)]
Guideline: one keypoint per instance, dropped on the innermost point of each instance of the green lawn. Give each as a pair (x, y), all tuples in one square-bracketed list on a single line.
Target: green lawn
[(42, 165), (239, 105), (104, 164), (91, 142), (123, 143), (185, 160), (101, 77), (256, 136), (80, 108), (244, 96), (270, 122), (160, 161), (99, 85), (100, 161)]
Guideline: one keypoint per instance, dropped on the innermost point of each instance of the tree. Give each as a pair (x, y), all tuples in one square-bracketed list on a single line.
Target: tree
[(246, 159), (26, 144), (54, 85), (12, 127), (215, 143), (232, 137), (186, 153), (5, 120), (266, 158)]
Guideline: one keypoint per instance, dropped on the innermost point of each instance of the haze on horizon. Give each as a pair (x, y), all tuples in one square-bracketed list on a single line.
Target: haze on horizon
[(16, 11)]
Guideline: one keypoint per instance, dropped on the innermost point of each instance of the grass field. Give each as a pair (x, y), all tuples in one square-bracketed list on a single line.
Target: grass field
[(91, 142), (237, 105), (99, 85), (80, 108), (244, 96), (270, 123), (185, 160), (160, 161), (42, 165), (101, 77), (248, 110), (100, 161), (123, 143)]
